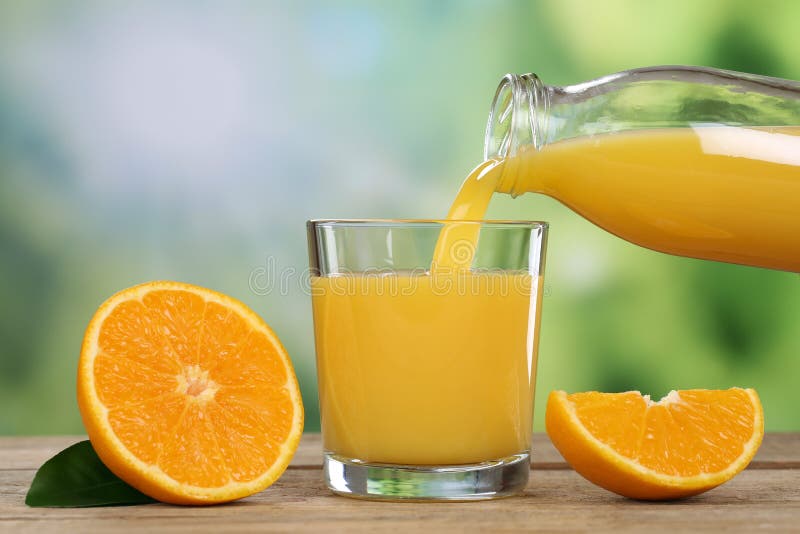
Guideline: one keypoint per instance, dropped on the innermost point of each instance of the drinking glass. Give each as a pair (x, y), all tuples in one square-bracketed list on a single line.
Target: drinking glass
[(426, 354)]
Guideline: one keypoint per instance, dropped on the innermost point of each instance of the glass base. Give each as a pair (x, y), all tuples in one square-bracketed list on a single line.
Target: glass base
[(486, 480)]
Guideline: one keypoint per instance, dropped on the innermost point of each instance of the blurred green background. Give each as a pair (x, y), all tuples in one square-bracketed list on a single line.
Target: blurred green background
[(191, 140)]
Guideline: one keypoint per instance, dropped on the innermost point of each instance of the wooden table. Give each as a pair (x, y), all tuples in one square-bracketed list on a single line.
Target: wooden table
[(766, 496)]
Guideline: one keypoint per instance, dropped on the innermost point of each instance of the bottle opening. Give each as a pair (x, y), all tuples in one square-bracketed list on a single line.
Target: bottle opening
[(515, 118), (498, 129)]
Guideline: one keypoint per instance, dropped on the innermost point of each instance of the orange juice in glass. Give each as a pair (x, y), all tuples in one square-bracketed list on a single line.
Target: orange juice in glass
[(426, 369)]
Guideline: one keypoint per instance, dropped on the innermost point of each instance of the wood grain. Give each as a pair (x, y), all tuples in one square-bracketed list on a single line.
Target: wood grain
[(764, 497), (779, 450)]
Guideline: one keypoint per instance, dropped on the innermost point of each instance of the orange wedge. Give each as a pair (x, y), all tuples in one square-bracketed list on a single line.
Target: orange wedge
[(187, 395), (687, 443)]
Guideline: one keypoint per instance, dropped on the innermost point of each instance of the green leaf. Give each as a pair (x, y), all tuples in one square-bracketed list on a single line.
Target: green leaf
[(76, 478)]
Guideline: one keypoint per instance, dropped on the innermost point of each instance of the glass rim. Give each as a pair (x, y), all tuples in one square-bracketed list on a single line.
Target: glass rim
[(426, 222)]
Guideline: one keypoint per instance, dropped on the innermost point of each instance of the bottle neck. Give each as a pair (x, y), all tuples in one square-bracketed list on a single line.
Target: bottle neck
[(517, 119)]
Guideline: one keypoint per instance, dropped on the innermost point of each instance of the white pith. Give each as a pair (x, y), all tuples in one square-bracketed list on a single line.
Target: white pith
[(673, 397)]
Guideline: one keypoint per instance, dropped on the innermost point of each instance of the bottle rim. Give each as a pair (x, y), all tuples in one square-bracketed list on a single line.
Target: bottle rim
[(516, 116)]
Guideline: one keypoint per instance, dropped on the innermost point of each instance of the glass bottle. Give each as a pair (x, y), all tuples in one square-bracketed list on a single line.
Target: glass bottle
[(691, 161)]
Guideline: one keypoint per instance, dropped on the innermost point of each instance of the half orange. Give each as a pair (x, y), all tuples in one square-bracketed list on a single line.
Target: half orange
[(187, 394), (687, 443)]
